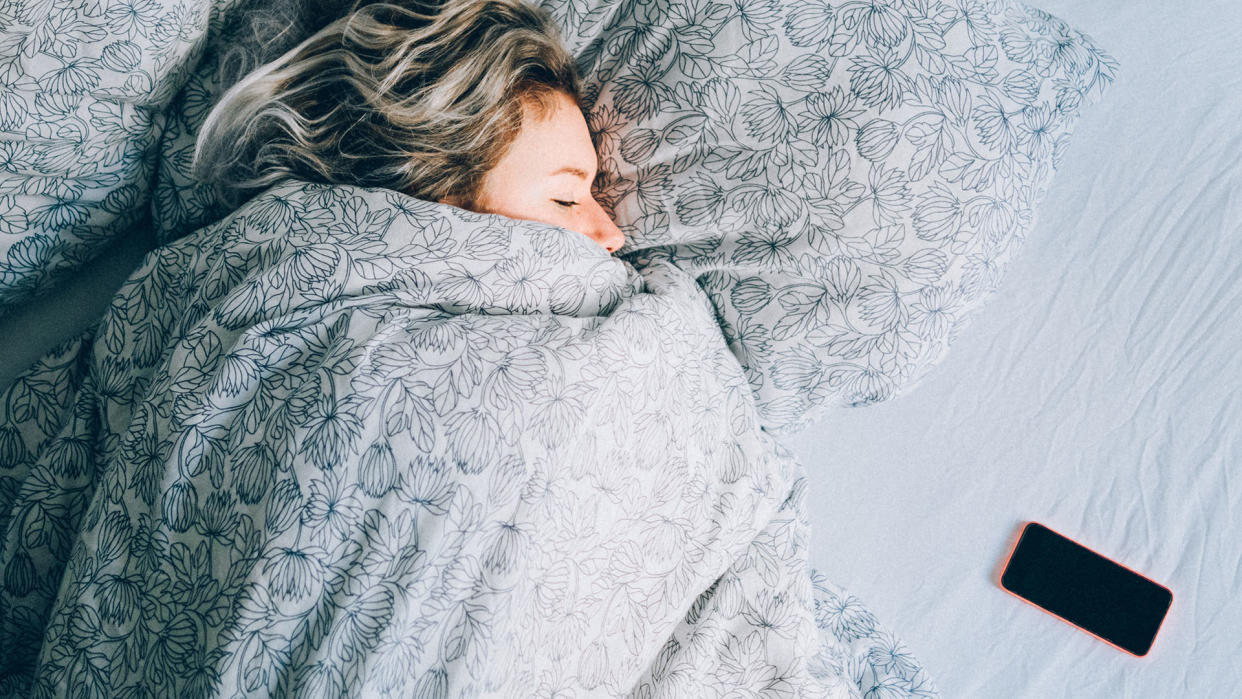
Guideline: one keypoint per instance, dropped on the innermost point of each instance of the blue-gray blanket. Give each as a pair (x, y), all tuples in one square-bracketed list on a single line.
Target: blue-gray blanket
[(347, 442)]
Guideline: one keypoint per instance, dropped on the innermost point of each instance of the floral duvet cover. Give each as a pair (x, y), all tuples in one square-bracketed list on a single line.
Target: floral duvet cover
[(345, 442)]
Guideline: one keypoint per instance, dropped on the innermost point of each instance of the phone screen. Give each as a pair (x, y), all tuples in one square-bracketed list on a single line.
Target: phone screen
[(1086, 589)]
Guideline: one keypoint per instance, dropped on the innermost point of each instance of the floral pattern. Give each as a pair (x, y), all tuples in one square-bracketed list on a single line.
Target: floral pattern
[(349, 442), (341, 441), (84, 87), (847, 180)]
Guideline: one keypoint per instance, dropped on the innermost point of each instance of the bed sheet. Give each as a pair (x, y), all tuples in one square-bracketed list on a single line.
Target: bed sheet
[(1096, 392)]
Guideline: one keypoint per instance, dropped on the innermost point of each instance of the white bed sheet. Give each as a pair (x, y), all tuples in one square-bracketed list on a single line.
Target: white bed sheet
[(1097, 391)]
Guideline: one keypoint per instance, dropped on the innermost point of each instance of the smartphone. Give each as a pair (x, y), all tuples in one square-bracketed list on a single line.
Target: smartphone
[(1070, 581)]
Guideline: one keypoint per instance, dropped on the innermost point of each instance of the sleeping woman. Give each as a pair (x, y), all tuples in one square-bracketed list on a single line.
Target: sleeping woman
[(473, 104), (393, 427)]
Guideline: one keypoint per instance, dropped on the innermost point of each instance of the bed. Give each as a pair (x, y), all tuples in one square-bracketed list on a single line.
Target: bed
[(1096, 393), (1129, 386)]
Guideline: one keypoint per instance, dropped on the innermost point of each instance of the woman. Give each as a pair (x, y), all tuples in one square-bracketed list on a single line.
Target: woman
[(472, 103), (299, 458)]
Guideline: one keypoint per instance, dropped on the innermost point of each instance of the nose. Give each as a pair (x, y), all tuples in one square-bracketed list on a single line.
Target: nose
[(603, 230)]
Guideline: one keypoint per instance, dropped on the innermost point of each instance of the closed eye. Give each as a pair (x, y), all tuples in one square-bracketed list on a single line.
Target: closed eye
[(566, 204)]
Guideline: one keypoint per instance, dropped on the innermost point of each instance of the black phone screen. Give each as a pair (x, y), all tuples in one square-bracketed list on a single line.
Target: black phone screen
[(1086, 589)]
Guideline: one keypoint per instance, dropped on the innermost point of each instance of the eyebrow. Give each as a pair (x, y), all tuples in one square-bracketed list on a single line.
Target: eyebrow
[(573, 171)]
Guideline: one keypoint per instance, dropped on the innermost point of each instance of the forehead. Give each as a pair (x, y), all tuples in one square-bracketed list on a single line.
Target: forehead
[(557, 143)]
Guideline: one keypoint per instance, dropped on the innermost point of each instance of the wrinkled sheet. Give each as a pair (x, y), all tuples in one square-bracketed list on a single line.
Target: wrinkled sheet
[(1097, 393), (349, 441)]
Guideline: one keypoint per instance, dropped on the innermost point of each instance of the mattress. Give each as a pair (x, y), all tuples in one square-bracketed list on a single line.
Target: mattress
[(1096, 392)]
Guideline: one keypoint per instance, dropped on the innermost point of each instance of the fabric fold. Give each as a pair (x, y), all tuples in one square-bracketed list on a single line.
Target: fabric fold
[(346, 441)]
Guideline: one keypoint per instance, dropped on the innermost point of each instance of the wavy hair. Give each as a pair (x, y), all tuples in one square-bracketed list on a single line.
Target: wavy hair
[(419, 96)]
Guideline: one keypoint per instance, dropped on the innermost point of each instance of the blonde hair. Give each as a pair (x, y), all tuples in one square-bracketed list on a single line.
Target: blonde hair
[(419, 96)]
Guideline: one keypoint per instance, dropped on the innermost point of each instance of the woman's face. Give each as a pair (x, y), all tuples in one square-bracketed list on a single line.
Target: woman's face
[(546, 176)]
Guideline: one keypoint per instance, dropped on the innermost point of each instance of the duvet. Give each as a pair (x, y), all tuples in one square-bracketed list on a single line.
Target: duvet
[(344, 442)]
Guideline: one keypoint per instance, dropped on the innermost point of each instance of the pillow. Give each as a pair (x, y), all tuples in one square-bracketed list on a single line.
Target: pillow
[(846, 181), (82, 88)]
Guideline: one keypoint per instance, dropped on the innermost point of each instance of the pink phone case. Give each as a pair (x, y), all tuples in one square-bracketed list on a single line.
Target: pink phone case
[(1005, 567)]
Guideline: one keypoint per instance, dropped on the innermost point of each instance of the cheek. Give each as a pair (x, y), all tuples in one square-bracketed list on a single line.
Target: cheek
[(507, 195)]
